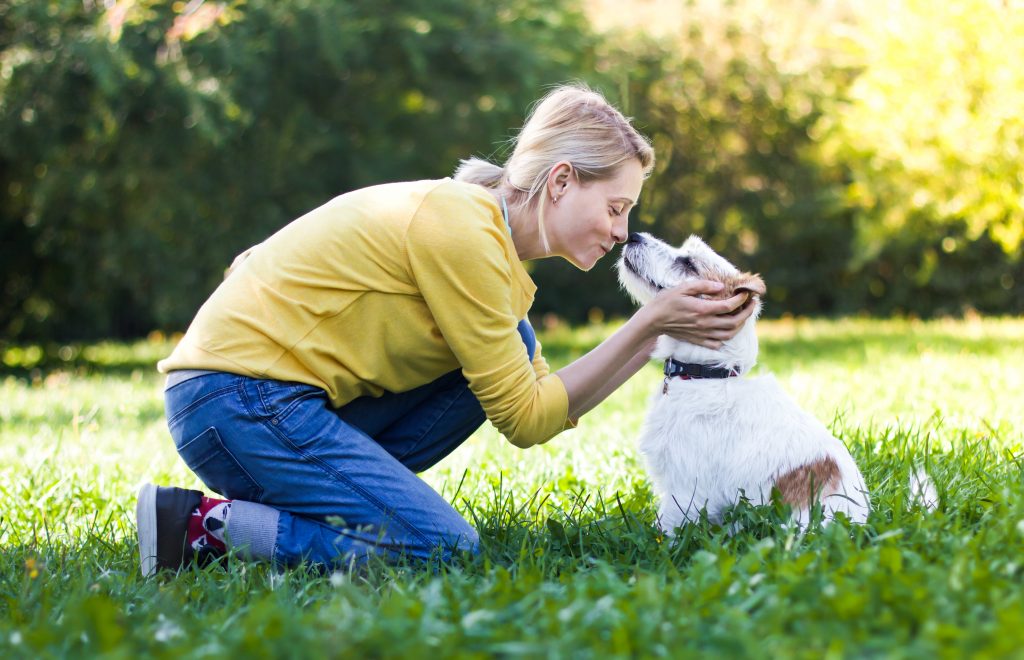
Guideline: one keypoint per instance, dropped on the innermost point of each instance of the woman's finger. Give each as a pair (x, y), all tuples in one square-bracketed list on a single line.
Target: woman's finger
[(698, 287), (703, 306), (728, 322), (731, 324), (746, 312), (734, 303)]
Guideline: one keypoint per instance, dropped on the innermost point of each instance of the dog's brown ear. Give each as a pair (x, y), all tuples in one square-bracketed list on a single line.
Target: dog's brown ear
[(751, 284)]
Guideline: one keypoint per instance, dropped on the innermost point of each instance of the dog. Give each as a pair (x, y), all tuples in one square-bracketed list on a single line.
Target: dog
[(715, 435)]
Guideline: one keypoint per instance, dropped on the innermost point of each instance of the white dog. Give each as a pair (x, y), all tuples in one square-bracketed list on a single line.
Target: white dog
[(714, 435)]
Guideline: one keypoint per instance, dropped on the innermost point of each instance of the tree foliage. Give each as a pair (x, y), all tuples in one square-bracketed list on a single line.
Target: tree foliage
[(729, 99), (838, 152), (142, 146), (861, 157), (933, 131)]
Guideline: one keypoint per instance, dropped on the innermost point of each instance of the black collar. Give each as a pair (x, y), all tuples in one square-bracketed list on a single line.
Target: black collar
[(687, 371)]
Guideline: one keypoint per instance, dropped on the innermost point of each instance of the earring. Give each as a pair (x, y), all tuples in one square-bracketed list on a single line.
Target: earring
[(554, 200)]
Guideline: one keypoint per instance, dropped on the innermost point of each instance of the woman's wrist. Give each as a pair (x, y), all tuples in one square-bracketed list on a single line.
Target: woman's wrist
[(648, 326)]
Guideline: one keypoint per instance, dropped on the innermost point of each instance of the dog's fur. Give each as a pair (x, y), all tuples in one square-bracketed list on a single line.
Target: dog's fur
[(709, 442)]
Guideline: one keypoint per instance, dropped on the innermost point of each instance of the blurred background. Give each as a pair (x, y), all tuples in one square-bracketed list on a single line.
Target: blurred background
[(865, 157)]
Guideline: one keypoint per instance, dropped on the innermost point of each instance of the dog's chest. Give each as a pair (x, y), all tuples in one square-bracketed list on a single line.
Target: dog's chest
[(710, 438)]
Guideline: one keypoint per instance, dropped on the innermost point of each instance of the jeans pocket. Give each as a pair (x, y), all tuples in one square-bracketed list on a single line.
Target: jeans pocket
[(212, 462), (281, 399)]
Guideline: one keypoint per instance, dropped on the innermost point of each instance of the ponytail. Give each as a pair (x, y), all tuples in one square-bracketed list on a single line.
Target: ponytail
[(479, 171)]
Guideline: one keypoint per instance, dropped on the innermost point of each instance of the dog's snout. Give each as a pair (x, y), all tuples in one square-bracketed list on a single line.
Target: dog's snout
[(634, 237)]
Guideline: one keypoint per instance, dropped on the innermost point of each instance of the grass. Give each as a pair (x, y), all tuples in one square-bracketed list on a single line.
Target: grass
[(572, 564)]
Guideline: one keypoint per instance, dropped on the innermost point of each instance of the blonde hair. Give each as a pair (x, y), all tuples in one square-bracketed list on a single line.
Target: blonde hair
[(572, 123)]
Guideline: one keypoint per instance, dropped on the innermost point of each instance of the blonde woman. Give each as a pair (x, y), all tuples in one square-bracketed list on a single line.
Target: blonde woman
[(366, 340)]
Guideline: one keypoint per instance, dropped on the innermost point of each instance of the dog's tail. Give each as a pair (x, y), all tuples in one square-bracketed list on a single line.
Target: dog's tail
[(922, 489)]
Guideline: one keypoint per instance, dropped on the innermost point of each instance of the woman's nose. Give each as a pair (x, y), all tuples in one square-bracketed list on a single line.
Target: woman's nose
[(620, 233)]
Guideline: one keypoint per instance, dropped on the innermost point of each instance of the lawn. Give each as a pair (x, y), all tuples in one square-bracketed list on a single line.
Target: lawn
[(572, 564)]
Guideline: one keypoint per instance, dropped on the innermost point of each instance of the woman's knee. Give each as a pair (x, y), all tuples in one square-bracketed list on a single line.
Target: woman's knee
[(463, 541)]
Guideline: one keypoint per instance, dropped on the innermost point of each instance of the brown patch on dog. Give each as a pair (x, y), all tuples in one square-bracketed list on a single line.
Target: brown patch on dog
[(802, 485), (748, 283), (752, 284)]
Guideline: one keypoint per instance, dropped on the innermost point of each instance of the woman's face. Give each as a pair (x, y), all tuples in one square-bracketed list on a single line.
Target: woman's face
[(589, 219)]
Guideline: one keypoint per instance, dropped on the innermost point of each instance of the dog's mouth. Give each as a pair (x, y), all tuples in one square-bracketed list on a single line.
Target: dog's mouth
[(627, 260)]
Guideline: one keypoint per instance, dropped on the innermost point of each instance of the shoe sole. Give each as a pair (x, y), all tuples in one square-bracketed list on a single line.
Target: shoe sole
[(145, 521)]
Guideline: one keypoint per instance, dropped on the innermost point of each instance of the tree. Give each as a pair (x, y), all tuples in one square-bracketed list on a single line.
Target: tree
[(144, 145)]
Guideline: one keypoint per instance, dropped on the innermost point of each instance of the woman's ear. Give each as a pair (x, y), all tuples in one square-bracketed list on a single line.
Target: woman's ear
[(559, 179)]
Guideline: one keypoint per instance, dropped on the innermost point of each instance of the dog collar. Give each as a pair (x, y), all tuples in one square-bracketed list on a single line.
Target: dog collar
[(688, 371)]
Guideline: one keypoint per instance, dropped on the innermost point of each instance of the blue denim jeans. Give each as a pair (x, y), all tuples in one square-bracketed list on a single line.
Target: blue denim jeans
[(342, 481)]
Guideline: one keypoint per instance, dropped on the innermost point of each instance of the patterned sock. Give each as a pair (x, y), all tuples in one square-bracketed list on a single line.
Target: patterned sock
[(207, 525)]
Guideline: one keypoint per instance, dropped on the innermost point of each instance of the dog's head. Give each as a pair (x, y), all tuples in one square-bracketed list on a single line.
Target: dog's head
[(648, 266)]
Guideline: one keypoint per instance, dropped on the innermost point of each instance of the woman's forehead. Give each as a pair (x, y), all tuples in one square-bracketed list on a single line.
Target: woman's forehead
[(626, 184)]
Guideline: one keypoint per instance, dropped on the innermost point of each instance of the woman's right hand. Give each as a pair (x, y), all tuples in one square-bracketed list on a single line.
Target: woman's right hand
[(680, 313)]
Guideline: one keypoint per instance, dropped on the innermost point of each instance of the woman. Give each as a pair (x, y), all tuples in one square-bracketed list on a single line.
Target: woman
[(366, 340)]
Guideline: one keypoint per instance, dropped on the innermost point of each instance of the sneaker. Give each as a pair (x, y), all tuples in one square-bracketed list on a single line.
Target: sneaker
[(162, 517)]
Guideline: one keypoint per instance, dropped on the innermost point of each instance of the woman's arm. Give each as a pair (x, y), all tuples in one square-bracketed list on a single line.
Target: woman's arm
[(635, 364), (676, 312)]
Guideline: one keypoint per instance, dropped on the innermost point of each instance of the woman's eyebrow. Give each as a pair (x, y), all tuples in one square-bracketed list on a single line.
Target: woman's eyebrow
[(627, 200)]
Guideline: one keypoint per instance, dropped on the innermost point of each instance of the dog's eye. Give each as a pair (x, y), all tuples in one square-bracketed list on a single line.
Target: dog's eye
[(686, 264)]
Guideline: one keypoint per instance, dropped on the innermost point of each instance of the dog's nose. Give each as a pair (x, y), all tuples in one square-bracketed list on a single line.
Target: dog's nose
[(634, 237)]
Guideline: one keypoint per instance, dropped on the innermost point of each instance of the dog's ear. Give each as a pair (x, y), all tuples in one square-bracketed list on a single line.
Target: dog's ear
[(750, 283)]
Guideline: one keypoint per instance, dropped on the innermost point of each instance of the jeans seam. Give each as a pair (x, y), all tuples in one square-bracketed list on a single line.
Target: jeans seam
[(255, 488), (290, 408), (287, 410), (198, 402)]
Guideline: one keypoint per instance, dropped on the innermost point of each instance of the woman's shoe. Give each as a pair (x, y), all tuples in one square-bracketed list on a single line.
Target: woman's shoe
[(162, 518)]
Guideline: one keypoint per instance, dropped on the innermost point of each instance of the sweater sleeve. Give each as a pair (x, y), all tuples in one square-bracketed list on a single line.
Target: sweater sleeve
[(459, 260), (541, 368), (540, 365)]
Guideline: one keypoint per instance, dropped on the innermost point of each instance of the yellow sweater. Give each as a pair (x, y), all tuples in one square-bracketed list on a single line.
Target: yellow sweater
[(385, 289)]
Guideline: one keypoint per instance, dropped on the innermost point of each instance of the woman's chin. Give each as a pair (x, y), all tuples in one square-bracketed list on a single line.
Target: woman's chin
[(583, 265), (584, 261)]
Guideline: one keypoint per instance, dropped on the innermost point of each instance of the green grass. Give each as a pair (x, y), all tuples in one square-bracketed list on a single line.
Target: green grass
[(571, 564)]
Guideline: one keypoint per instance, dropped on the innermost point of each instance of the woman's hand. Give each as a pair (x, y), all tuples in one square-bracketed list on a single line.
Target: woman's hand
[(681, 314), (675, 312)]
